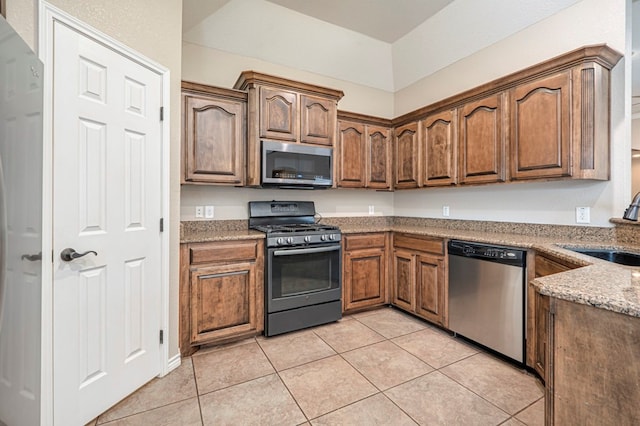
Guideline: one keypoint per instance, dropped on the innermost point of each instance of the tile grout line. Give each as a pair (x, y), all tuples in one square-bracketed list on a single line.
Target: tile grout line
[(381, 392), (283, 382)]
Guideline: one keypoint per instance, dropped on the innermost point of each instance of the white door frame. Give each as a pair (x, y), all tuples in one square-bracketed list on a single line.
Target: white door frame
[(47, 15)]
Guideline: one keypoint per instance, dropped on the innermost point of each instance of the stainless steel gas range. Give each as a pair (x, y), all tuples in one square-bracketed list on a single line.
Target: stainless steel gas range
[(303, 268)]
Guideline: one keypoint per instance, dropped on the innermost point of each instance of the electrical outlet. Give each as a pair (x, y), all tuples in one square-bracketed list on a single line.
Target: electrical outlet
[(199, 211), (372, 210), (445, 211), (208, 212), (583, 215)]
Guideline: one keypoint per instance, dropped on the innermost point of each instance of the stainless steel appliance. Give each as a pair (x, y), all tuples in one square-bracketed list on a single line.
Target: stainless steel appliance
[(487, 296), (288, 165), (21, 151), (303, 278)]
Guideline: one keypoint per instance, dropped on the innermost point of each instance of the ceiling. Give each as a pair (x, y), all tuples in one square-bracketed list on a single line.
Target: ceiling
[(384, 20)]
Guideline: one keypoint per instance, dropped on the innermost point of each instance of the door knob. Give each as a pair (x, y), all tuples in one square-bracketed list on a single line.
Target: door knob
[(69, 254)]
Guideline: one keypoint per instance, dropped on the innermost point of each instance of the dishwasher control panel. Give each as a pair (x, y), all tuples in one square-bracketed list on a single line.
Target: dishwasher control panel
[(485, 251)]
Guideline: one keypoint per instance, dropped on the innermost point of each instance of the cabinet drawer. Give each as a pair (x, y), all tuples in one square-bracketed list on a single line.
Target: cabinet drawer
[(419, 243), (226, 251), (362, 241)]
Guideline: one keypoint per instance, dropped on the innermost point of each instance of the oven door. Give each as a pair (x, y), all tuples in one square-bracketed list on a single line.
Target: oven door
[(304, 276)]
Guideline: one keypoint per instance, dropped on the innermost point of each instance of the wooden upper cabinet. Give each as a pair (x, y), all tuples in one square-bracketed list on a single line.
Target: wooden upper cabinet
[(364, 151), (213, 134), (278, 114), (318, 120), (287, 111), (439, 149), (541, 128), (351, 155), (548, 121), (407, 154), (379, 157), (482, 140)]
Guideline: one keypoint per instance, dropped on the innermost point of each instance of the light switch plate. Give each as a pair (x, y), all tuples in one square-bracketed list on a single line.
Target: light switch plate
[(445, 211), (208, 212)]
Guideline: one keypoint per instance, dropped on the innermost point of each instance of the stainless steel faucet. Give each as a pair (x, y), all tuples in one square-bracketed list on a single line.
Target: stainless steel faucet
[(631, 213)]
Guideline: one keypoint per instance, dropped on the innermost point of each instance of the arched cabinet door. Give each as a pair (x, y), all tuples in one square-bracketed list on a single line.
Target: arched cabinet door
[(407, 153), (213, 135), (482, 140), (541, 128), (439, 149)]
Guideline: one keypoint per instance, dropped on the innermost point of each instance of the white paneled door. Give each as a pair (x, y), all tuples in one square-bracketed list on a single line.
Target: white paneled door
[(107, 195)]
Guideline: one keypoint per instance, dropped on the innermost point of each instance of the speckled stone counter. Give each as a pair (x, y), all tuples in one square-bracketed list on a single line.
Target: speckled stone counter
[(597, 283), (198, 231)]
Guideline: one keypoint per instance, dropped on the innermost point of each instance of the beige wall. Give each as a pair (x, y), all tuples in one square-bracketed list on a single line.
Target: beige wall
[(215, 67), (153, 28), (218, 68)]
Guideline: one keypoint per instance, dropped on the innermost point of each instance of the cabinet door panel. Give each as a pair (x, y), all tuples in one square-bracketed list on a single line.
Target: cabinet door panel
[(223, 301), (439, 149), (407, 156), (318, 117), (541, 328), (214, 135), (430, 288), (404, 280), (379, 157), (365, 278), (352, 145), (540, 128), (278, 114), (482, 141)]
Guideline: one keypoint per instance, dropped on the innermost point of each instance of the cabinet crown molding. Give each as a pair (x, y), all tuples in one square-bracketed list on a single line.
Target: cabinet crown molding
[(250, 78), (600, 54)]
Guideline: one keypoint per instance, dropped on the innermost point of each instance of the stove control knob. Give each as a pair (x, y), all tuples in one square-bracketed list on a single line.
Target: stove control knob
[(332, 237), (307, 239), (280, 241), (323, 237), (290, 240)]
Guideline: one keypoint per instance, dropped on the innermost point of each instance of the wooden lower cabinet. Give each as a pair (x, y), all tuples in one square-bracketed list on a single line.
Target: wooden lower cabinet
[(364, 277), (538, 311), (221, 292), (419, 277), (594, 373)]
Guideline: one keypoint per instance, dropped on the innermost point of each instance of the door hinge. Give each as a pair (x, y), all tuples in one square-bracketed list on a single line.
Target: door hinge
[(161, 337), (161, 113), (162, 224)]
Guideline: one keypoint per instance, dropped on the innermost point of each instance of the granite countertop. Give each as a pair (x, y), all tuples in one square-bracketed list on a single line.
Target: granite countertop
[(597, 282)]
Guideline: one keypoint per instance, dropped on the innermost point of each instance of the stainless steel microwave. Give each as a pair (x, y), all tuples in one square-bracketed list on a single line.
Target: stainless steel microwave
[(288, 165)]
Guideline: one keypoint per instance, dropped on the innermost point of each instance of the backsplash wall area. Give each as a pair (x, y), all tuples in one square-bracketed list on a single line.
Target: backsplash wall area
[(232, 203), (544, 202)]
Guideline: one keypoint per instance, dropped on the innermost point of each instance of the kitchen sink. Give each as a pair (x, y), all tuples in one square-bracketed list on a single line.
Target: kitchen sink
[(612, 255)]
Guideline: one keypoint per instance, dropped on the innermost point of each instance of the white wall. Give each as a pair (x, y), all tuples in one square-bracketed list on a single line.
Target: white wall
[(575, 24), (219, 68), (231, 203), (586, 22)]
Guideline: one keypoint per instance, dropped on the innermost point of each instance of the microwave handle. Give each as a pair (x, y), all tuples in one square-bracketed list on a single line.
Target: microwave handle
[(306, 250)]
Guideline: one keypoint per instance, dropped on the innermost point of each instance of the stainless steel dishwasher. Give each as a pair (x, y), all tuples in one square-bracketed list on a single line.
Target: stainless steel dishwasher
[(487, 296)]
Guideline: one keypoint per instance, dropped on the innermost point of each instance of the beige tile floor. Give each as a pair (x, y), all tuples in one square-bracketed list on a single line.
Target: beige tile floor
[(380, 367)]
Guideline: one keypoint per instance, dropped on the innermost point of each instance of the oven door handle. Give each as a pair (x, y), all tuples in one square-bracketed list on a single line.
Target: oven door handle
[(306, 250)]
